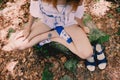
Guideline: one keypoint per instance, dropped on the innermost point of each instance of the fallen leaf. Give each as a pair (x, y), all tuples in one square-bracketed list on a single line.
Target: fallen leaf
[(11, 65)]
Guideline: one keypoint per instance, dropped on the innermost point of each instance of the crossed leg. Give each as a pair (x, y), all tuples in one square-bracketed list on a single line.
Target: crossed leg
[(80, 45), (38, 28)]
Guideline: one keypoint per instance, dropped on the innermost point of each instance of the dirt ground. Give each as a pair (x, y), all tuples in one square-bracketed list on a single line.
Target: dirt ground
[(29, 64)]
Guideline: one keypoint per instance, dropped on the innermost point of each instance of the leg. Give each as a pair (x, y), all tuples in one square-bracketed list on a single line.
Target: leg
[(80, 45), (55, 37), (83, 46), (80, 41), (38, 28)]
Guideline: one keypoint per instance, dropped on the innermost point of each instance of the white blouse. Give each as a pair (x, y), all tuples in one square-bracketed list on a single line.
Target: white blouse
[(62, 16)]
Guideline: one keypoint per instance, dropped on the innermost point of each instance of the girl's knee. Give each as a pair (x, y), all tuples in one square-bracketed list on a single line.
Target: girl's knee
[(84, 54)]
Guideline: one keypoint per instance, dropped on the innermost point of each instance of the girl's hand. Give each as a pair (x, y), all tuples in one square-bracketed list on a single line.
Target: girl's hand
[(80, 23), (26, 32), (86, 30)]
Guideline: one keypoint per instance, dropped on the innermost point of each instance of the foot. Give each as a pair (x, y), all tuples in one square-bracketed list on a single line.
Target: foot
[(90, 63), (8, 47), (15, 42), (101, 58)]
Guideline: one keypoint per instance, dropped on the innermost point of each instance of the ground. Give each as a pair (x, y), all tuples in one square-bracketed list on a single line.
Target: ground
[(31, 64)]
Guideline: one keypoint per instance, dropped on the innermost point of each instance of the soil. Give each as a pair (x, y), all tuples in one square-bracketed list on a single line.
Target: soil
[(29, 65)]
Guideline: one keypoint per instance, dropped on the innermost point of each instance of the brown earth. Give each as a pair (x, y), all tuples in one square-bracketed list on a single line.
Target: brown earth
[(29, 65)]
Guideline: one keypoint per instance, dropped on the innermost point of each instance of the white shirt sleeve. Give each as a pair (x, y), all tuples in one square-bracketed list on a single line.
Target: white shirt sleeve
[(80, 11), (34, 9)]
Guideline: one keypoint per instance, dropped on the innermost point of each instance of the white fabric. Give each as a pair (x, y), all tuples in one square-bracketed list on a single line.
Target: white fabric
[(44, 42), (34, 9), (69, 15), (64, 35)]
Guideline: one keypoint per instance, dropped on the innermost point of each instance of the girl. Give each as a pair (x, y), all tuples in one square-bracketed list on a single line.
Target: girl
[(59, 21)]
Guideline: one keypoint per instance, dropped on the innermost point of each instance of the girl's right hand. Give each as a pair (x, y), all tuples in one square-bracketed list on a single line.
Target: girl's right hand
[(26, 32)]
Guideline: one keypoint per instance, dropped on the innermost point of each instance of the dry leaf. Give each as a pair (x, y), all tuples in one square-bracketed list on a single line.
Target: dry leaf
[(10, 66)]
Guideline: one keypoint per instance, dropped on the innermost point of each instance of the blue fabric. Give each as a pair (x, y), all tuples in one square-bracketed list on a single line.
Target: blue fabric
[(69, 40), (59, 29), (102, 61), (98, 53), (87, 63)]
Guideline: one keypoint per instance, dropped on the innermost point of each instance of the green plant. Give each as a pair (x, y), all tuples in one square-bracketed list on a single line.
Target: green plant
[(42, 51), (47, 74), (99, 36), (59, 46), (103, 39), (86, 18), (95, 34), (66, 77), (0, 1), (71, 65), (50, 49)]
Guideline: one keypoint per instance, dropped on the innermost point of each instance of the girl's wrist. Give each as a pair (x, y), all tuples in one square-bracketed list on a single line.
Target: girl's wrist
[(27, 27)]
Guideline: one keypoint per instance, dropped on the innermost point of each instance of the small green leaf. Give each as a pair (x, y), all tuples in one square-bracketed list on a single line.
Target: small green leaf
[(71, 65), (66, 77)]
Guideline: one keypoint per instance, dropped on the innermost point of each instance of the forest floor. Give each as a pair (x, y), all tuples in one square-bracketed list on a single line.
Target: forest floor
[(30, 65)]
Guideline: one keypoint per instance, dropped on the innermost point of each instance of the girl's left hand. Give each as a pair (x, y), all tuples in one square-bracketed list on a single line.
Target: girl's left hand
[(86, 30)]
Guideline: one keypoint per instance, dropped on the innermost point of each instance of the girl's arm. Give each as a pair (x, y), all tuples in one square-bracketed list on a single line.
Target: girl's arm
[(79, 16), (80, 22), (30, 22), (34, 13), (27, 29), (82, 25)]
